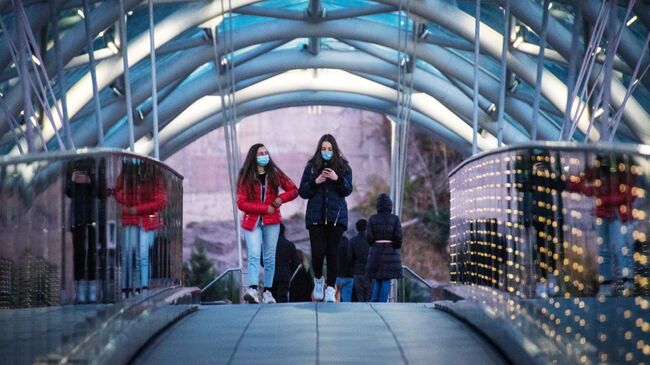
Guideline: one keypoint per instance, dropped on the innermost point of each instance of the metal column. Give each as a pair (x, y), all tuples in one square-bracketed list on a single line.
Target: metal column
[(540, 69), (477, 51), (504, 73), (93, 75), (124, 50), (154, 86)]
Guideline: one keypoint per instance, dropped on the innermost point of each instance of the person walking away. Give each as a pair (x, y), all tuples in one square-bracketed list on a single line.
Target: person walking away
[(344, 279), (384, 234), (259, 199), (81, 188), (358, 256), (326, 181), (286, 262)]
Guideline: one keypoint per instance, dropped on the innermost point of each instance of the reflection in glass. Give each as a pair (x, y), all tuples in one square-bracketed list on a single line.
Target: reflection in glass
[(554, 241), (64, 220)]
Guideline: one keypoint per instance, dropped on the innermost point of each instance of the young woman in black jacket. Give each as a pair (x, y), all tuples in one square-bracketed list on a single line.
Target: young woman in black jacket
[(326, 181), (384, 234)]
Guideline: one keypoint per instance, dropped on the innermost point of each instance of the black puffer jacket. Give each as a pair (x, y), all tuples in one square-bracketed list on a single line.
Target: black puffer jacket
[(384, 260), (358, 253), (326, 202)]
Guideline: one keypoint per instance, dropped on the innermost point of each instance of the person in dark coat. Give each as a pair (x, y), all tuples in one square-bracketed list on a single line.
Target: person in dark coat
[(286, 262), (325, 182), (384, 234), (358, 256), (81, 187), (301, 282), (344, 279)]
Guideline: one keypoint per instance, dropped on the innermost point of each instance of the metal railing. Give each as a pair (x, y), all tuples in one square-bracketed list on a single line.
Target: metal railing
[(411, 288), (225, 291)]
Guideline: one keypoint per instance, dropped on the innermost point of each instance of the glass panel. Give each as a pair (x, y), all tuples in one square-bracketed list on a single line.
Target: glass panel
[(102, 229), (554, 241)]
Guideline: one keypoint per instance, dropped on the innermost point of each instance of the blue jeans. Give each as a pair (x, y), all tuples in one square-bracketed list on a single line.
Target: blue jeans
[(380, 290), (263, 238), (129, 258), (146, 242), (616, 249), (134, 257), (345, 287)]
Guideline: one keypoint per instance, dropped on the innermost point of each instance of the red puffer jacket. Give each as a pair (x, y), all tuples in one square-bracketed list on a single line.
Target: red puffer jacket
[(148, 198), (253, 207), (613, 193)]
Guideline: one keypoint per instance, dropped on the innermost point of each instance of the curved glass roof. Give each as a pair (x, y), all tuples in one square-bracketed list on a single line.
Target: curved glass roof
[(360, 38)]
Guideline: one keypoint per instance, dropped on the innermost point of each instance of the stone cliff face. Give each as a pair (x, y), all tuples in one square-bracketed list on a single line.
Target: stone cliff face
[(291, 136)]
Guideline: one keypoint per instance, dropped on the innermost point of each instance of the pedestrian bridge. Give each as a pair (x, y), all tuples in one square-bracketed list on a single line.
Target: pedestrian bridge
[(550, 260), (547, 266)]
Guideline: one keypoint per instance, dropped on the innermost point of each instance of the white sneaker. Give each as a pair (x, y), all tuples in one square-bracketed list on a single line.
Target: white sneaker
[(92, 291), (330, 294), (82, 291), (318, 288), (252, 296), (267, 298)]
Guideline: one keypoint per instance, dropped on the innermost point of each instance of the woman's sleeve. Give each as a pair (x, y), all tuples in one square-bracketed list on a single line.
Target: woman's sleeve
[(307, 184), (247, 206), (344, 184), (159, 200), (290, 189)]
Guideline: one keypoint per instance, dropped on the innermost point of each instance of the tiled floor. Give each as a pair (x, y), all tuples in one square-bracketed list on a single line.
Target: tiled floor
[(319, 333)]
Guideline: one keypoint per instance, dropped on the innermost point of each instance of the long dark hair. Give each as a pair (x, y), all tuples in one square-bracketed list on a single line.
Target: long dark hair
[(248, 171), (338, 162)]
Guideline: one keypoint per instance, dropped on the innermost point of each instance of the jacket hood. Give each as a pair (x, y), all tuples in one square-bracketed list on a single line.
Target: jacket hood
[(384, 204)]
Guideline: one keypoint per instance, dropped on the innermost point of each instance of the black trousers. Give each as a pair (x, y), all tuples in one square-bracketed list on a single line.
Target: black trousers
[(325, 241), (362, 288), (281, 291), (84, 250)]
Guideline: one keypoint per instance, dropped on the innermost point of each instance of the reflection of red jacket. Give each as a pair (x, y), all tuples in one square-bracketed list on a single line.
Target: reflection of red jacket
[(613, 193), (148, 197), (253, 207)]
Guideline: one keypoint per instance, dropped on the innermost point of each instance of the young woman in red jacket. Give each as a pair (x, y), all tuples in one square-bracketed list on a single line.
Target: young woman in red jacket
[(259, 198), (140, 190)]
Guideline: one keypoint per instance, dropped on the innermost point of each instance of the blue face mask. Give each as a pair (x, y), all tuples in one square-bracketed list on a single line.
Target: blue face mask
[(263, 160), (326, 155)]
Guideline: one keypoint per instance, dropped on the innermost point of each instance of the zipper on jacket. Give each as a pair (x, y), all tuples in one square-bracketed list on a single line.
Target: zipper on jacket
[(261, 198), (325, 202), (337, 216)]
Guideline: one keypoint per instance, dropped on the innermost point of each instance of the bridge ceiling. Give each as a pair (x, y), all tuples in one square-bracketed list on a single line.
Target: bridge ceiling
[(283, 49)]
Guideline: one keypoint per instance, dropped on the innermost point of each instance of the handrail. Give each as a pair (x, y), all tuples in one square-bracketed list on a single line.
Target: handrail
[(405, 267), (229, 270), (641, 149), (89, 152)]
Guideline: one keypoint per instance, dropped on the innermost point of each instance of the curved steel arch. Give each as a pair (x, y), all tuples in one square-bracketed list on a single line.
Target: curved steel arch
[(463, 24), (331, 80), (281, 61), (438, 56), (329, 98), (273, 62), (530, 13), (72, 43), (428, 9), (379, 34), (347, 28)]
